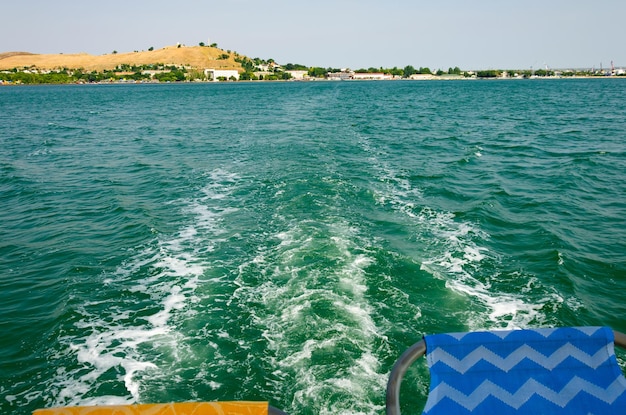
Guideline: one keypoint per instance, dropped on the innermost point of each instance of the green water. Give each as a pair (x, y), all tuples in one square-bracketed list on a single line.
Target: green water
[(287, 241)]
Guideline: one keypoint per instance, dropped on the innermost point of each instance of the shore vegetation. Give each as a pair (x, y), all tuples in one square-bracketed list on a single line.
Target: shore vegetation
[(189, 64)]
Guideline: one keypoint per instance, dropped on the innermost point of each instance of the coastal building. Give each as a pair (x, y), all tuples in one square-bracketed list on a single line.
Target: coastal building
[(298, 75), (347, 74), (422, 77), (268, 67), (339, 76), (379, 76), (263, 74), (216, 74), (153, 72)]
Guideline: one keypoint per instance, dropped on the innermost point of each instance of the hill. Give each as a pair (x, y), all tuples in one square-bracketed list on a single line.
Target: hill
[(197, 57)]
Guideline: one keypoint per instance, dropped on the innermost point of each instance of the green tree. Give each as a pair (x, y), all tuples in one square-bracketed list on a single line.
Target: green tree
[(246, 64), (317, 72), (544, 72), (172, 76), (394, 71), (248, 76), (196, 74), (295, 67), (491, 73), (138, 76), (408, 71), (90, 77)]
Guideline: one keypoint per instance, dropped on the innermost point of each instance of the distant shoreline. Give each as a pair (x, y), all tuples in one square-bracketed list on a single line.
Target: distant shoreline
[(202, 63), (122, 82)]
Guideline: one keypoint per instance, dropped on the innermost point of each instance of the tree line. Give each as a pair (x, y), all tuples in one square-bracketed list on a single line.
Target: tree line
[(173, 73), (161, 73)]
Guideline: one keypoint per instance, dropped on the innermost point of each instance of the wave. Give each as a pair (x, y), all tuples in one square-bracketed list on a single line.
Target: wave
[(456, 251), (131, 329), (314, 313)]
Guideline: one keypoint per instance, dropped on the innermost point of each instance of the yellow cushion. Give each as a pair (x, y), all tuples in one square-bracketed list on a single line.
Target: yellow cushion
[(179, 408)]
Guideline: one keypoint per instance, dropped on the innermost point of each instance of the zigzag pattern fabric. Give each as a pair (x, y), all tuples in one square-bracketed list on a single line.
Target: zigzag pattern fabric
[(570, 370)]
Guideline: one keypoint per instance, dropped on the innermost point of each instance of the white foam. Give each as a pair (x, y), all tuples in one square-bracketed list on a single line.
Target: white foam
[(474, 253), (454, 255), (454, 251), (102, 351), (116, 337), (505, 310), (395, 189), (174, 301), (331, 305), (214, 385)]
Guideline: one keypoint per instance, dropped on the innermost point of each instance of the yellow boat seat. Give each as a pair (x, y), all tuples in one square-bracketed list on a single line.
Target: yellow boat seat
[(178, 408)]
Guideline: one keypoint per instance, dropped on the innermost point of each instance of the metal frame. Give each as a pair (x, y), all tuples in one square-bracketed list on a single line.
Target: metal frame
[(419, 349), (274, 411), (620, 339)]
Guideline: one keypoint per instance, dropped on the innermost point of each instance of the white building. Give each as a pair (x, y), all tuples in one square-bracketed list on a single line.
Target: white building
[(298, 75), (422, 76), (372, 76), (339, 76), (216, 74)]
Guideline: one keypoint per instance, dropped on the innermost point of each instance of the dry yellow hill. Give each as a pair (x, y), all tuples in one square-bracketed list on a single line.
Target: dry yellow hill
[(199, 57)]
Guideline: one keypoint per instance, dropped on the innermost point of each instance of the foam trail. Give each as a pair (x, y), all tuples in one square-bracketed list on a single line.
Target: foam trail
[(454, 252), (461, 263), (116, 344), (324, 338)]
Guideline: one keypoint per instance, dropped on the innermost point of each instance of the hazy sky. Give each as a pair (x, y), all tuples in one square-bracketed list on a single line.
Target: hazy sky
[(478, 34)]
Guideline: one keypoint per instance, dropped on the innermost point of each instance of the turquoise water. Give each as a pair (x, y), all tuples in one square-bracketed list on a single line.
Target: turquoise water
[(287, 241)]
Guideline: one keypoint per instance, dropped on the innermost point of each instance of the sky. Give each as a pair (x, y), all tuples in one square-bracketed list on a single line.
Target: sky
[(470, 34)]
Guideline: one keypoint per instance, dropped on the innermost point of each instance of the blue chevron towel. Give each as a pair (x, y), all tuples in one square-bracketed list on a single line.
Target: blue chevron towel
[(569, 371)]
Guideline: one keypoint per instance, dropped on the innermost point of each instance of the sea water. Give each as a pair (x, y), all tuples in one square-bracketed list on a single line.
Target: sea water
[(288, 241)]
